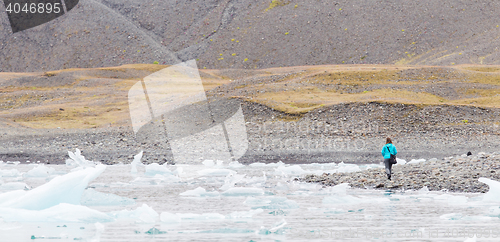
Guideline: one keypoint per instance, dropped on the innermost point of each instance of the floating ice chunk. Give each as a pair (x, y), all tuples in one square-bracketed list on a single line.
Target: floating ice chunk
[(208, 163), (40, 171), (92, 197), (244, 214), (294, 170), (424, 190), (77, 159), (10, 173), (340, 196), (14, 186), (451, 216), (228, 231), (231, 180), (220, 163), (216, 172), (155, 168), (62, 189), (344, 168), (309, 187), (59, 213), (271, 203), (257, 164), (199, 192), (494, 193), (340, 189), (243, 191), (400, 161), (135, 162), (235, 164), (416, 161), (143, 214)]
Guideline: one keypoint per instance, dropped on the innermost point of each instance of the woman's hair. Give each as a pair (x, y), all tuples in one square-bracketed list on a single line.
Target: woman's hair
[(388, 141)]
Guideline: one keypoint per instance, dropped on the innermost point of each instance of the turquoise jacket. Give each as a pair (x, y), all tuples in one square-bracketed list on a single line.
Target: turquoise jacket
[(386, 153)]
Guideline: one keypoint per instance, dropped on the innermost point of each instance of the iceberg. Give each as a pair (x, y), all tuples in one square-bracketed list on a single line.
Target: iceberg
[(494, 193), (62, 189), (135, 162), (157, 169), (142, 214), (199, 192), (235, 164), (294, 170), (345, 168), (78, 160), (40, 171), (92, 197), (231, 180), (14, 186), (10, 173)]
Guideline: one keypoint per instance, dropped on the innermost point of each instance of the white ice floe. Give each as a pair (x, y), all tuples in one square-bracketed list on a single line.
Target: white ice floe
[(231, 180), (62, 212), (345, 168), (244, 214), (215, 172), (14, 186), (235, 164), (92, 197), (424, 190), (62, 189), (142, 214), (494, 193), (40, 171), (199, 192), (10, 173), (243, 191), (294, 170), (157, 169)]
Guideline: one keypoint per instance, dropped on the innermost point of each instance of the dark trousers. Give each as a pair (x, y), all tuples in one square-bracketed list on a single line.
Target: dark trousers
[(388, 166)]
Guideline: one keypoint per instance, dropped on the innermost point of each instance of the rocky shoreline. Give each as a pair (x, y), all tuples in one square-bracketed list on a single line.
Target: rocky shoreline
[(453, 174), (347, 132)]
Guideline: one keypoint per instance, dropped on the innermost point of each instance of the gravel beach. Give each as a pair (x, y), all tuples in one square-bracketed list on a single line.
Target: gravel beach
[(454, 174)]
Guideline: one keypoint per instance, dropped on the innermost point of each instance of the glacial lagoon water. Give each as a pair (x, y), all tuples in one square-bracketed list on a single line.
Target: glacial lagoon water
[(228, 202)]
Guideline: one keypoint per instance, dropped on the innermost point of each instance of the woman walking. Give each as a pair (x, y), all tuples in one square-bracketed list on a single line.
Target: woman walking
[(388, 150)]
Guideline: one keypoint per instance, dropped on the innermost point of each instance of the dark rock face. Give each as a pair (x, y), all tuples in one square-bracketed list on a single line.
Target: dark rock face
[(256, 34)]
